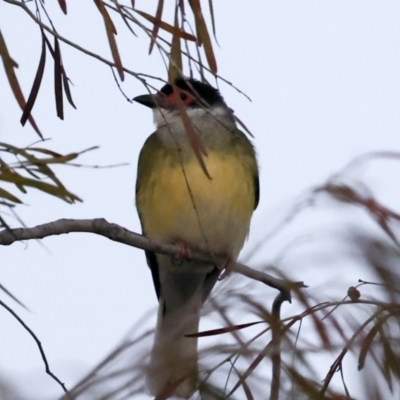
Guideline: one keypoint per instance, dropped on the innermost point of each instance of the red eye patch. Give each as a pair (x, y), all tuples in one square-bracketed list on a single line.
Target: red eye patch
[(186, 97)]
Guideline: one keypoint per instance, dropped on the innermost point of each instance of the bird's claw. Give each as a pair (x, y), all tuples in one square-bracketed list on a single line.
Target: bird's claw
[(226, 268), (183, 253)]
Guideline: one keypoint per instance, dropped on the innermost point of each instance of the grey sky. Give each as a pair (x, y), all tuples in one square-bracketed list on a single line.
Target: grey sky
[(324, 81)]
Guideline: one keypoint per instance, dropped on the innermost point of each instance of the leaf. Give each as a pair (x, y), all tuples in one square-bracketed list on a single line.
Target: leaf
[(9, 65), (4, 223), (66, 88), (175, 57), (58, 93), (156, 27), (45, 151), (63, 73), (167, 27), (367, 342), (111, 31), (31, 160), (7, 195), (36, 84), (210, 5), (54, 160), (192, 135), (241, 123), (21, 182), (319, 325), (221, 331), (63, 6), (202, 35), (106, 16)]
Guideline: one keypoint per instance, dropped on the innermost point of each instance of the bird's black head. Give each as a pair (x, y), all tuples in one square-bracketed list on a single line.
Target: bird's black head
[(201, 94), (191, 92)]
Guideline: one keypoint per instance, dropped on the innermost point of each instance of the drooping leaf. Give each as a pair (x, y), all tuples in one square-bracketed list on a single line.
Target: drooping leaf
[(192, 135), (67, 89), (45, 151), (241, 123), (7, 195), (203, 37), (65, 80), (211, 6), (111, 31), (36, 84), (167, 27), (319, 325), (58, 92), (156, 27), (175, 57), (9, 65), (221, 331), (367, 342), (63, 5), (21, 182)]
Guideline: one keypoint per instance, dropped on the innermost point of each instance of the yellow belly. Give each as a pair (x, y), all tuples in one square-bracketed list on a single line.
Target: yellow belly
[(212, 215)]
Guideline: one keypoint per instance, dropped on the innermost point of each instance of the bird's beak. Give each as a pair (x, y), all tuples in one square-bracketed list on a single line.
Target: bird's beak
[(157, 100), (148, 100)]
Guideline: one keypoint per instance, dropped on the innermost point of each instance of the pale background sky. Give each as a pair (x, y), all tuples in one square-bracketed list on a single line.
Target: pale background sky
[(324, 79)]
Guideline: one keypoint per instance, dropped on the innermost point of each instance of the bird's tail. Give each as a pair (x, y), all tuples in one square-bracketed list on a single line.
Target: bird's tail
[(174, 356)]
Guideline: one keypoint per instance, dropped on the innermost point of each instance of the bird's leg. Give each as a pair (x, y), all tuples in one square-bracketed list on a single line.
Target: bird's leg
[(226, 266), (184, 252)]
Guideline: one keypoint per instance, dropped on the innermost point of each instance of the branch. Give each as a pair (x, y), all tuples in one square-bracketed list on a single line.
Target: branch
[(120, 234), (39, 344), (70, 43), (276, 344)]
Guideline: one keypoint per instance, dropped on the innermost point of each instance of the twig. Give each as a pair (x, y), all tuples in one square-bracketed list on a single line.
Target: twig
[(65, 40), (120, 234), (276, 343), (7, 292), (337, 363), (39, 344)]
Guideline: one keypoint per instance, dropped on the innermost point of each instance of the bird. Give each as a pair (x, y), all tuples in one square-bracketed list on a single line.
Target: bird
[(204, 209)]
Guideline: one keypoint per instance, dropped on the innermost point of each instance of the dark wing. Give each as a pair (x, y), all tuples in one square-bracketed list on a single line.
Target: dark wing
[(256, 190), (247, 153), (144, 166), (153, 265)]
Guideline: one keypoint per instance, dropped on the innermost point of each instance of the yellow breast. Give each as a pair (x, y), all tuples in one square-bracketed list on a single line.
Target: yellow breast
[(178, 202)]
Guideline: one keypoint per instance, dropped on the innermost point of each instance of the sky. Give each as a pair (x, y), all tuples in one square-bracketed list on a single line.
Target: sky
[(323, 78)]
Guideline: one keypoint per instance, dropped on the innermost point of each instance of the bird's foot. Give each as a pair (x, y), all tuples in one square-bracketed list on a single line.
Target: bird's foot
[(226, 268), (183, 253)]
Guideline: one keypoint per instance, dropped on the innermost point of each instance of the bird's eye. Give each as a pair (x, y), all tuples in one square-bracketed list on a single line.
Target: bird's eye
[(183, 96)]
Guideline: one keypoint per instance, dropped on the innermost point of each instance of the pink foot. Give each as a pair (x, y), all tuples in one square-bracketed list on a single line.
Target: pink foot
[(226, 267), (184, 252)]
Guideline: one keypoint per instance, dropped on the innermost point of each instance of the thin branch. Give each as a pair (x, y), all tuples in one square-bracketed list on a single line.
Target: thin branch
[(65, 40), (276, 344), (337, 363), (120, 234), (7, 292), (39, 344)]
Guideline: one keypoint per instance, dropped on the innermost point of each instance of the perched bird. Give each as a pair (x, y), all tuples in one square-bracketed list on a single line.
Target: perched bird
[(178, 203)]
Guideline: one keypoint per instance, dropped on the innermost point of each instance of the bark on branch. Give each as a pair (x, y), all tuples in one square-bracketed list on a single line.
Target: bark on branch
[(120, 234)]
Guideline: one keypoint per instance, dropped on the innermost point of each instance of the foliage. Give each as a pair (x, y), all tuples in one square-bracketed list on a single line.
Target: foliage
[(355, 328), (152, 25), (362, 321)]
